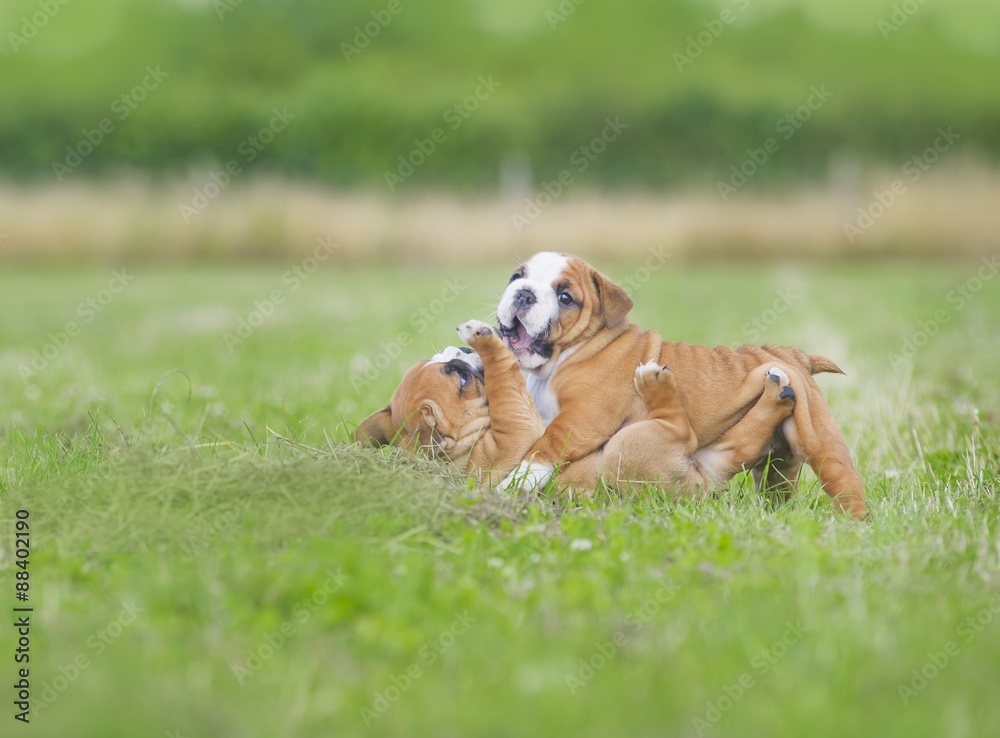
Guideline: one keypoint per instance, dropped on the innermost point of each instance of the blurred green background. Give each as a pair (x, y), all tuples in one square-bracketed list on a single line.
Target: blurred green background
[(365, 80), (211, 149)]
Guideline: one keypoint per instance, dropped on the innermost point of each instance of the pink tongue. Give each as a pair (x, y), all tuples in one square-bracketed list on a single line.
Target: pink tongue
[(522, 340)]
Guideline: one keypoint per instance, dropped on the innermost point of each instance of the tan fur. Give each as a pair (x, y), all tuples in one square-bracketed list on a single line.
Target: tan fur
[(661, 450), (485, 430), (716, 387)]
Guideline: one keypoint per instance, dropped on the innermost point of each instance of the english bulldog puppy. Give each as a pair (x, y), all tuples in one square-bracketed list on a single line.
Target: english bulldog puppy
[(442, 405), (567, 324), (473, 408)]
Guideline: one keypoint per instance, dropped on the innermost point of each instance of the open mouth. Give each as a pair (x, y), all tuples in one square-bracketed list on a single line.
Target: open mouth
[(517, 336), (519, 339)]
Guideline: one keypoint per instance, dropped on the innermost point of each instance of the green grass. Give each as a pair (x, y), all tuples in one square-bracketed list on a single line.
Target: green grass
[(221, 563)]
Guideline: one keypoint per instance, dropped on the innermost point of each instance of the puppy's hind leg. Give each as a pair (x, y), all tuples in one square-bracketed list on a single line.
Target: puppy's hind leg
[(657, 450), (743, 444), (777, 474), (655, 385), (813, 435)]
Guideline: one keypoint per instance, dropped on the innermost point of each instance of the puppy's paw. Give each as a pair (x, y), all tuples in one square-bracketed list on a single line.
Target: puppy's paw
[(654, 383), (476, 332), (527, 477), (778, 388), (652, 373)]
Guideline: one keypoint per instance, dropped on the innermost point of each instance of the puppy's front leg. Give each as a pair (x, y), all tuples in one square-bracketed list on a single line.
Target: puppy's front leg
[(579, 429), (514, 420)]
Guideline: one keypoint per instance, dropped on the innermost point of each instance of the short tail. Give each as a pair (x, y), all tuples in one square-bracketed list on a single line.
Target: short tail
[(811, 363), (821, 365)]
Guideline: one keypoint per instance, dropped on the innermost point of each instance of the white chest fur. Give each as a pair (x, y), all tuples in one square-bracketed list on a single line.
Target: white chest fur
[(539, 385), (545, 399)]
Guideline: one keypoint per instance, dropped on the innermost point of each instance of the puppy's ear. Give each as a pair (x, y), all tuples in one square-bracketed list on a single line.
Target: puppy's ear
[(376, 429), (615, 302), (434, 426)]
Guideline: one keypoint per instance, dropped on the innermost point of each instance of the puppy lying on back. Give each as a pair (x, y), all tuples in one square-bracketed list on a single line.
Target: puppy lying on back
[(470, 408), (474, 409)]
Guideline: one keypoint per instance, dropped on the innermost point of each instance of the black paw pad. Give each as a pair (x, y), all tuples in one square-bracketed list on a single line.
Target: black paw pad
[(786, 394), (773, 377), (487, 331)]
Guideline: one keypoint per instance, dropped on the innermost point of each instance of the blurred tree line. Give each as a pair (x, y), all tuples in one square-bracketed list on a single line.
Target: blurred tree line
[(462, 89)]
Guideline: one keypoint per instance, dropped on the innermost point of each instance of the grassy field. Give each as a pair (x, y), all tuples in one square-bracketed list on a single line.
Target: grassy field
[(210, 558)]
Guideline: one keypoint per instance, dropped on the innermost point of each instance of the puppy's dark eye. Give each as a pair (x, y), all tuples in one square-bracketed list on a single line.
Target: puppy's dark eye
[(565, 299), (463, 376), (515, 275)]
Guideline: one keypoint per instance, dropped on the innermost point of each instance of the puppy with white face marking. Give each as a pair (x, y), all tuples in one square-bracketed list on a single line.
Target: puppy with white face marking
[(567, 325), (439, 407)]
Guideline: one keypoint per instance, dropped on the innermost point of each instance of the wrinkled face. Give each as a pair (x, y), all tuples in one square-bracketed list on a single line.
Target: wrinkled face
[(439, 403), (554, 301), (451, 378)]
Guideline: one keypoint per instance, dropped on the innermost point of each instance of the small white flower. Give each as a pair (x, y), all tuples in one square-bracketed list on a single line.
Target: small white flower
[(581, 544)]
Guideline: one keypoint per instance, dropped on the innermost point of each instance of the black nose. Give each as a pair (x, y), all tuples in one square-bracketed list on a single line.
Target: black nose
[(523, 299)]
